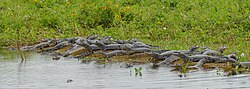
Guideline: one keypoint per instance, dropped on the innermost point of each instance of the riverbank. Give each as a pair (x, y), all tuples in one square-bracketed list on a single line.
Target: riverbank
[(170, 24), (108, 50)]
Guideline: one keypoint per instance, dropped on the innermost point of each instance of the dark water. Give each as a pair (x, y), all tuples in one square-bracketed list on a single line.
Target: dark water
[(41, 72)]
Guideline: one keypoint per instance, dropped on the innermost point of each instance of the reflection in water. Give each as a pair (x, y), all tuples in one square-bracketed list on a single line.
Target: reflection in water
[(9, 55), (40, 71)]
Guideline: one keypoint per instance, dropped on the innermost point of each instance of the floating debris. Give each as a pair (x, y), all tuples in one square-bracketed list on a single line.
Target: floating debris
[(69, 80)]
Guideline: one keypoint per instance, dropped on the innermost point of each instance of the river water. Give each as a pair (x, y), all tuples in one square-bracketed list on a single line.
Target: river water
[(41, 72)]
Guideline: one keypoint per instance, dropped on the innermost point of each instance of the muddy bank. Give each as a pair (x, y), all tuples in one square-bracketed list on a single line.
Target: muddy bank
[(106, 49)]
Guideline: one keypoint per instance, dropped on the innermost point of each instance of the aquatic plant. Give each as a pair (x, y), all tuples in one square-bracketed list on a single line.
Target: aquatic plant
[(184, 68), (130, 72), (18, 45), (138, 71)]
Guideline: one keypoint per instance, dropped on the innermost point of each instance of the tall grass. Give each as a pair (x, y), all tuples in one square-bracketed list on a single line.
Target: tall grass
[(171, 24)]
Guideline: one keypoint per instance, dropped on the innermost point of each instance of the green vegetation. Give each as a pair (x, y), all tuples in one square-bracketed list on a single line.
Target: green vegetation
[(138, 71), (171, 24)]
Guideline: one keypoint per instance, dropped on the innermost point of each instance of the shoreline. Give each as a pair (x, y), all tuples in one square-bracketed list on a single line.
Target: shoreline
[(132, 51)]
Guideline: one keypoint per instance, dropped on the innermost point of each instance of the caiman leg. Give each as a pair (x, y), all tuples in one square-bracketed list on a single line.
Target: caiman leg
[(199, 64), (168, 60)]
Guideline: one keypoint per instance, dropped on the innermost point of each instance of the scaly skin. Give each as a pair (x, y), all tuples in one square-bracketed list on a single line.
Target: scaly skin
[(108, 47), (72, 50), (160, 51), (233, 55), (91, 41), (112, 47), (156, 55), (123, 41), (141, 50), (168, 60), (171, 52), (113, 53), (190, 51), (199, 64), (126, 46), (43, 44), (89, 47), (58, 46), (140, 44), (93, 37), (219, 51), (200, 58), (215, 60), (27, 48), (106, 40), (167, 53)]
